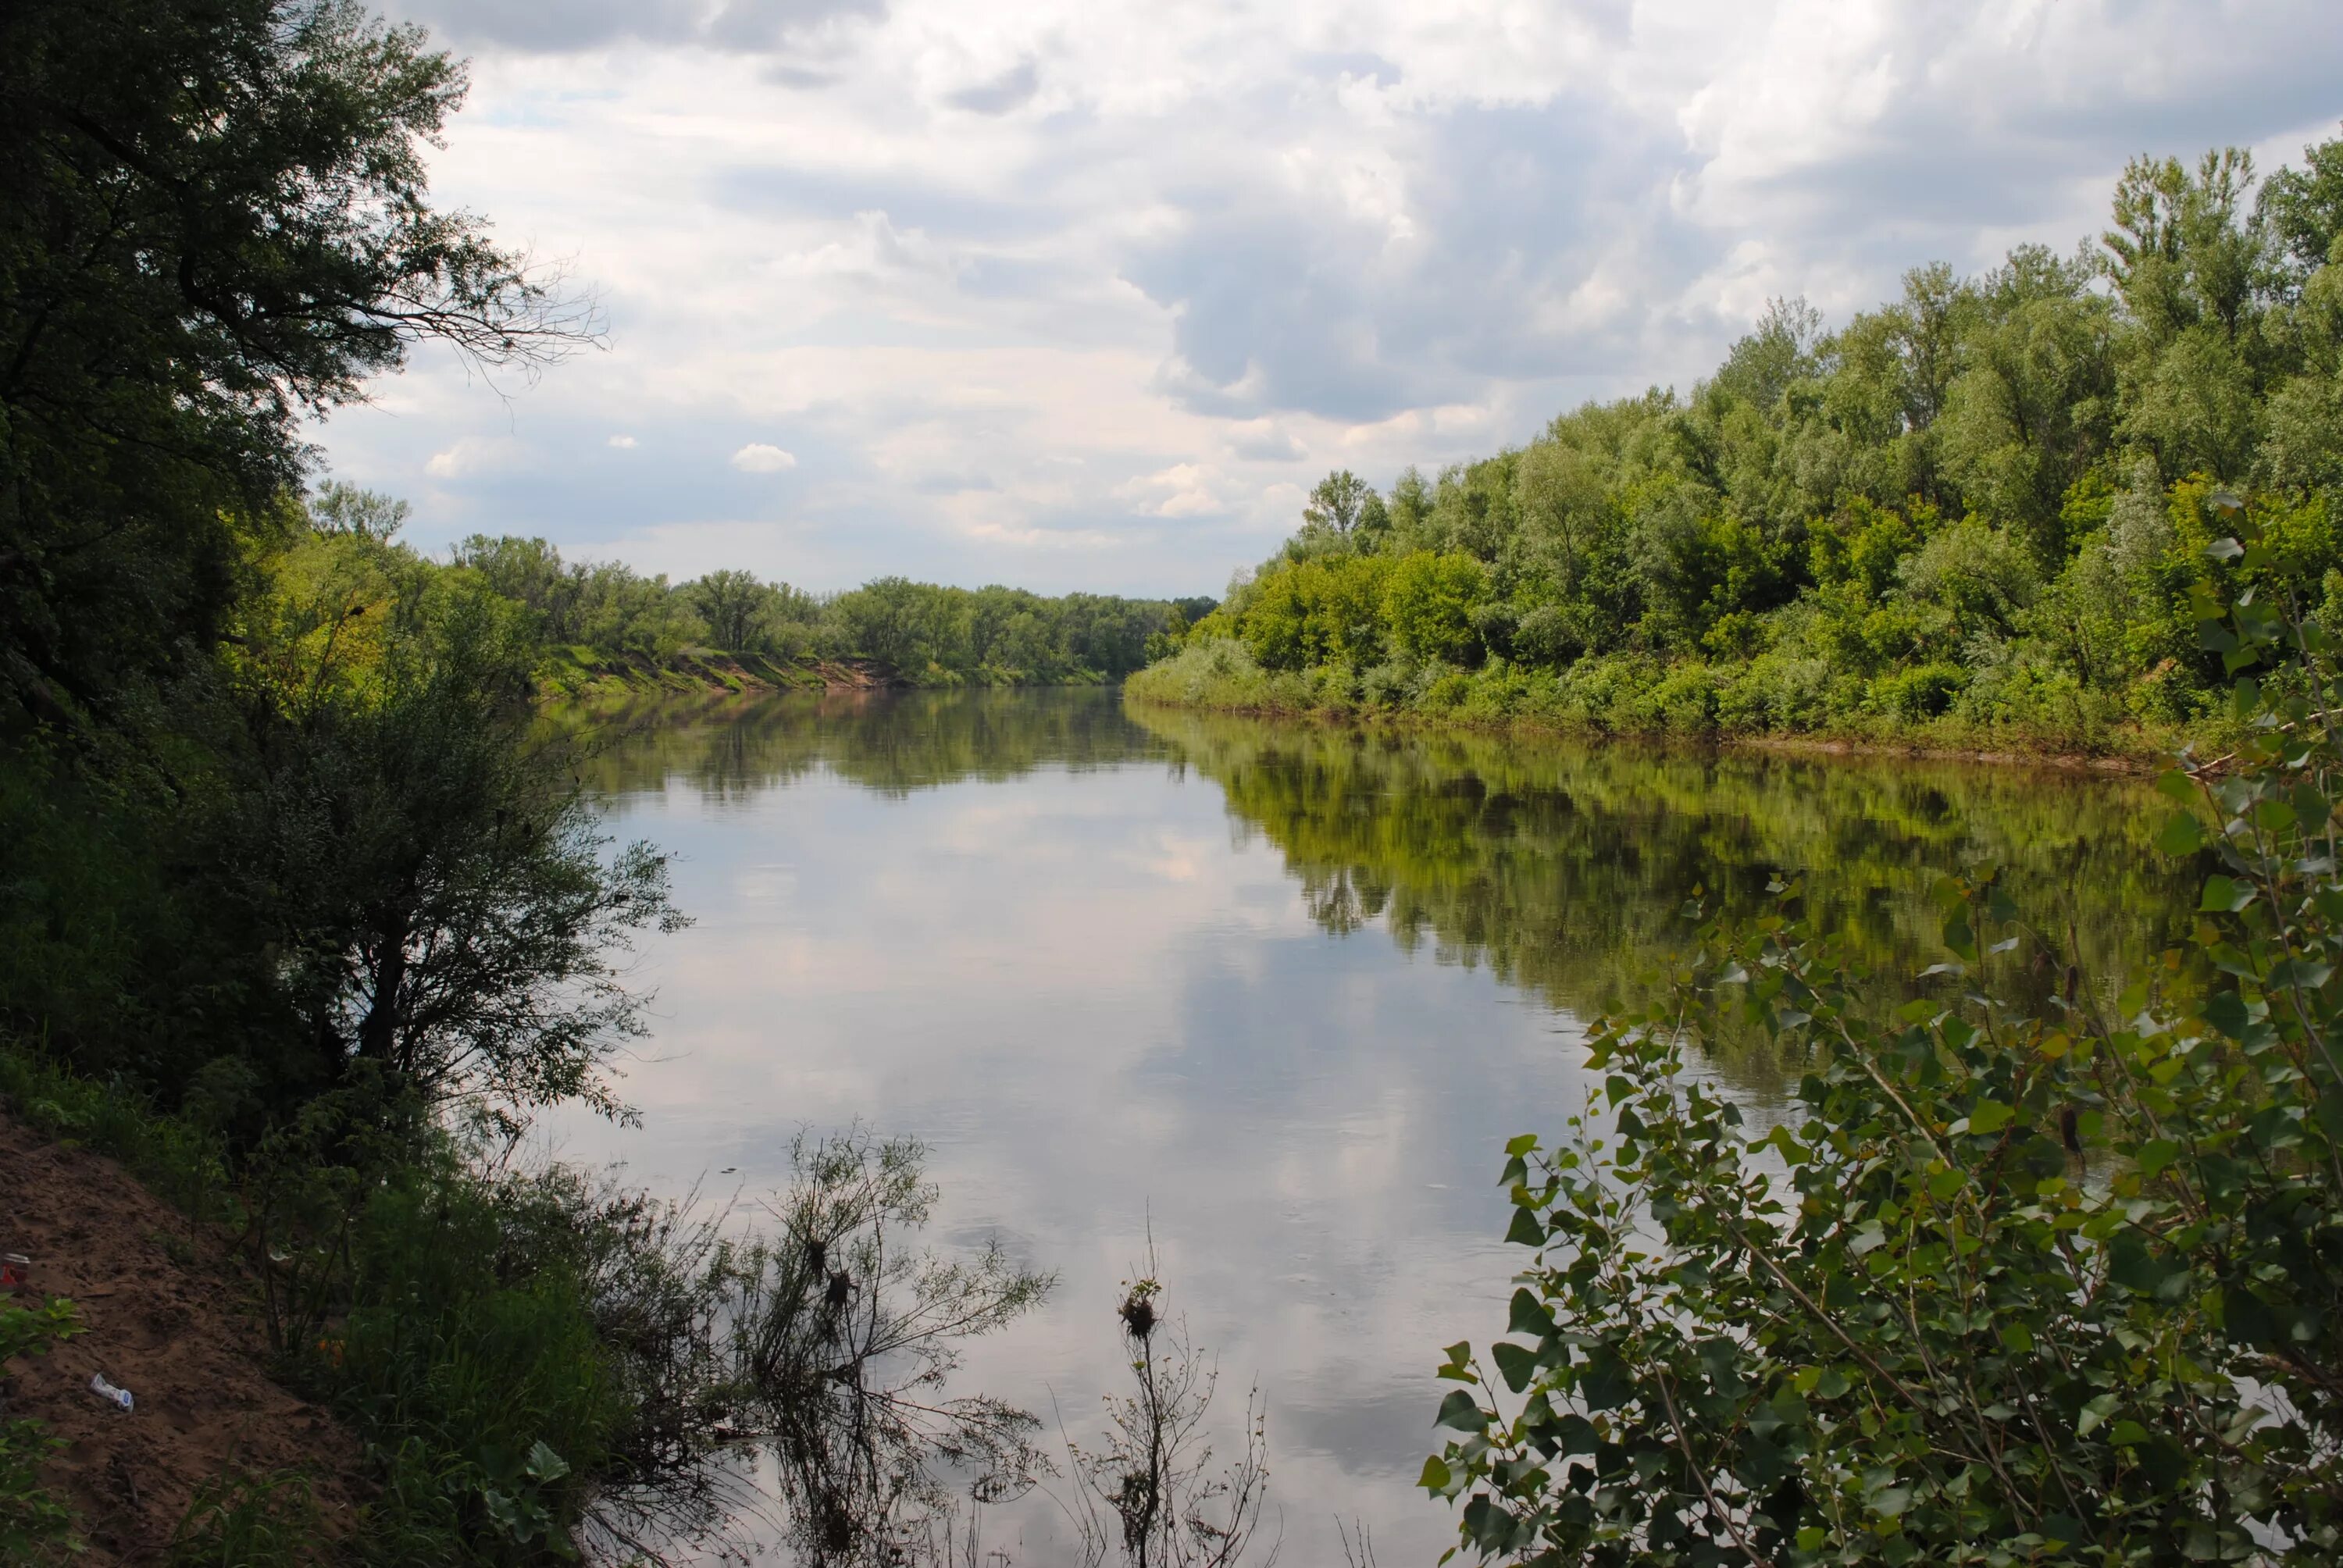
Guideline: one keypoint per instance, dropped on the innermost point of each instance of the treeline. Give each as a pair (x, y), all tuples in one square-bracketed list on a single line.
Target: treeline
[(1981, 506), (927, 635)]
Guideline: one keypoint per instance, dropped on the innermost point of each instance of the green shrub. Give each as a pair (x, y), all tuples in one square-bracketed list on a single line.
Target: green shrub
[(1922, 691)]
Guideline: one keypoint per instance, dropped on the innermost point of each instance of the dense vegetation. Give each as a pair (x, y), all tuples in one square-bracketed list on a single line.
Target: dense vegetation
[(2027, 1274), (1976, 511), (920, 633)]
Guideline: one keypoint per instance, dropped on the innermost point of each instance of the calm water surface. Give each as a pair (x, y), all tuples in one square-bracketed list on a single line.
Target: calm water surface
[(1280, 992)]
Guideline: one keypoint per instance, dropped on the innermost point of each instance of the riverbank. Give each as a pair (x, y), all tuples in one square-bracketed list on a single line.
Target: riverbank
[(572, 671), (162, 1309), (1625, 697)]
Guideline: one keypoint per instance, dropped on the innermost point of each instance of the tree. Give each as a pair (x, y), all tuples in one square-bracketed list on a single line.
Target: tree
[(2303, 209), (214, 223), (1338, 502), (340, 508), (1428, 603), (733, 603), (441, 900)]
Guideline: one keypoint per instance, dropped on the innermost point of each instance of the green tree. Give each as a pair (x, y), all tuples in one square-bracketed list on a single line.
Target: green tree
[(734, 604), (1337, 503), (442, 903), (1428, 603), (214, 223)]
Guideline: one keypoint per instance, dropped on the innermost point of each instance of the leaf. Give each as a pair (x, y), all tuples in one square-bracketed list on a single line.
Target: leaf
[(1435, 1476), (1990, 1116), (2224, 897), (2226, 1011), (1515, 1365), (544, 1463), (1462, 1411), (1529, 1316), (1525, 1230)]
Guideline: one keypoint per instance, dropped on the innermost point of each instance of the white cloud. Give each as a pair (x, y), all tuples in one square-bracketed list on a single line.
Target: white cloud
[(472, 455), (1182, 490), (758, 457), (623, 442), (988, 263)]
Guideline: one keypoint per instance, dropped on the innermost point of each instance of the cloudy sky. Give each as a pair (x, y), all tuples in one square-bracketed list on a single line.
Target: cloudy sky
[(1086, 292)]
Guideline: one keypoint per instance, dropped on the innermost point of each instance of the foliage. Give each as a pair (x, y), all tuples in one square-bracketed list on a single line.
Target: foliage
[(2016, 1280), (239, 1519), (215, 223), (35, 1527), (925, 633), (1999, 480), (443, 904)]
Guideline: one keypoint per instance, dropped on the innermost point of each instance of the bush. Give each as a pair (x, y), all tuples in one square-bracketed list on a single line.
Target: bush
[(1921, 692)]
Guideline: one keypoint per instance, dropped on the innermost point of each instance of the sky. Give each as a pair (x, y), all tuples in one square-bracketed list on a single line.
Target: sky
[(1086, 294)]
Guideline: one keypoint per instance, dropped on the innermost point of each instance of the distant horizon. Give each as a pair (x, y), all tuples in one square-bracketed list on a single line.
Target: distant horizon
[(1084, 300)]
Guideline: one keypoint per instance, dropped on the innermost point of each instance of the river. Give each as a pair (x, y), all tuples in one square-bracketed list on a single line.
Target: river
[(1276, 993)]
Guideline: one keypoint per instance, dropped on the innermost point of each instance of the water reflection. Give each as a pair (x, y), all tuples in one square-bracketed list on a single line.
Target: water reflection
[(733, 748), (1566, 867), (1277, 994)]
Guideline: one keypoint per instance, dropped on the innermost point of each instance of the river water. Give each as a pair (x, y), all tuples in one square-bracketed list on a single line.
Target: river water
[(1274, 993)]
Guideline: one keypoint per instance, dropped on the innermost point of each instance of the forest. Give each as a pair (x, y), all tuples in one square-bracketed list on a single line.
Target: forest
[(922, 634), (1979, 512)]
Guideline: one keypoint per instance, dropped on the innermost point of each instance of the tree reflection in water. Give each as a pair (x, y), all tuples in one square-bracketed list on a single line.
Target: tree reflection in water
[(849, 1338), (834, 1433)]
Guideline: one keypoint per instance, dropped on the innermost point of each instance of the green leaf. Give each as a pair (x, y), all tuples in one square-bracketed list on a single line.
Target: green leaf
[(544, 1463), (2183, 835), (1515, 1365), (1525, 1230), (1435, 1476), (2226, 1011), (1463, 1411), (1990, 1116), (2224, 897), (1529, 1316)]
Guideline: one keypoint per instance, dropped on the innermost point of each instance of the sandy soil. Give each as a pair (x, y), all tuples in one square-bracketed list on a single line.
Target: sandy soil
[(182, 1338)]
